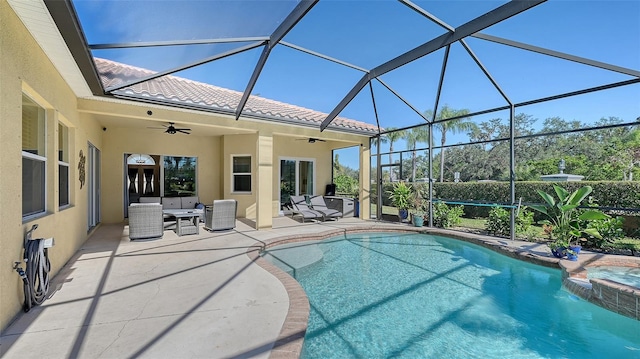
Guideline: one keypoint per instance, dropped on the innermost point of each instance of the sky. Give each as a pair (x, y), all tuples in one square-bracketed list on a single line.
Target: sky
[(367, 33)]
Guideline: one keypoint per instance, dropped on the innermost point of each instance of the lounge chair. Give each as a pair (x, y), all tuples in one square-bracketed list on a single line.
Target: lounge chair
[(221, 215), (301, 208), (318, 204)]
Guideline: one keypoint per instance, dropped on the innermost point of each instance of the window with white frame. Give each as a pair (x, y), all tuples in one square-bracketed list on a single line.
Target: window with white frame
[(63, 165), (241, 174), (34, 158)]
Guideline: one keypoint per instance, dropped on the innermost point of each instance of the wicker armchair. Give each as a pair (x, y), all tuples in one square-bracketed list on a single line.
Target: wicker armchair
[(221, 215), (145, 221)]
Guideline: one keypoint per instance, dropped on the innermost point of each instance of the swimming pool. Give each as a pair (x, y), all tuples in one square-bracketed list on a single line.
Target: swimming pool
[(625, 275), (422, 296)]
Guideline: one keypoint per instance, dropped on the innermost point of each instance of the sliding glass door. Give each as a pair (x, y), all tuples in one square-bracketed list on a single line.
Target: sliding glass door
[(297, 178), (93, 183)]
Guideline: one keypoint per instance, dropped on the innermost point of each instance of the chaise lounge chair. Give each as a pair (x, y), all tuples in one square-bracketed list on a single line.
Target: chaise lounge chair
[(300, 207), (318, 204)]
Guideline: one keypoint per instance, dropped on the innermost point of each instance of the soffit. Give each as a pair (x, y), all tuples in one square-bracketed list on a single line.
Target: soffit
[(36, 18)]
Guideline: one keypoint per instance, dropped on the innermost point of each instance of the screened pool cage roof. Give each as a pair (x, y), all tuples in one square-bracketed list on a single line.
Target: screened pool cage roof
[(355, 66)]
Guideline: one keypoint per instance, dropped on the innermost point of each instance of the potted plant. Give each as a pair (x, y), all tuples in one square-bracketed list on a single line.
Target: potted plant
[(400, 196), (418, 207), (566, 221)]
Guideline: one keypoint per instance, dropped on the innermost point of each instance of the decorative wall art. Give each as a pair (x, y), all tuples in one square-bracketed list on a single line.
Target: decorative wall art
[(81, 168)]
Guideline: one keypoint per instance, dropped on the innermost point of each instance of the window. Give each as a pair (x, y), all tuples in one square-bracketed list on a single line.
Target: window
[(34, 158), (63, 165), (179, 176), (241, 172)]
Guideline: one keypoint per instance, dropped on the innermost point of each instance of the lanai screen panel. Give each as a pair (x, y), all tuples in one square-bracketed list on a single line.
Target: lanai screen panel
[(248, 53)]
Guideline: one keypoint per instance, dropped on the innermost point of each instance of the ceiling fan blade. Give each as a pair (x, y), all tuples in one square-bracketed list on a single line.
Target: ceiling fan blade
[(183, 130)]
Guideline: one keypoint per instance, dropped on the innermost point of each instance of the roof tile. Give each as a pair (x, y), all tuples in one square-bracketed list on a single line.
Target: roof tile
[(175, 88)]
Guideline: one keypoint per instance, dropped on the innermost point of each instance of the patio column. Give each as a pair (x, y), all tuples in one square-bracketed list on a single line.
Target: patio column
[(264, 181), (365, 181)]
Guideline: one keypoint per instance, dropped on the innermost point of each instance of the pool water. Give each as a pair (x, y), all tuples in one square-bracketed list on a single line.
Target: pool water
[(625, 275), (386, 295)]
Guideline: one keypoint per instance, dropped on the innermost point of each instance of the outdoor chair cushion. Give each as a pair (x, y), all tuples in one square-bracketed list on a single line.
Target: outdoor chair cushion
[(150, 200), (171, 203), (318, 204), (189, 202), (301, 208)]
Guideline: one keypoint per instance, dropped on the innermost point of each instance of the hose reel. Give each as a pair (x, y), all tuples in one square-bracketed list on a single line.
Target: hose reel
[(35, 276)]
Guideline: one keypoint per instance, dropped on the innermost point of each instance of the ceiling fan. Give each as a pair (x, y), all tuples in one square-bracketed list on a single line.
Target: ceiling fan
[(172, 130), (311, 140)]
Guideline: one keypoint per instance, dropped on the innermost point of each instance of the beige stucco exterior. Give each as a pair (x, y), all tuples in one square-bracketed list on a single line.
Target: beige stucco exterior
[(115, 128), (120, 141)]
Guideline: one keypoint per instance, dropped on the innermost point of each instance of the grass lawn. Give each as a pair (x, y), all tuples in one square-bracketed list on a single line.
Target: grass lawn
[(475, 223)]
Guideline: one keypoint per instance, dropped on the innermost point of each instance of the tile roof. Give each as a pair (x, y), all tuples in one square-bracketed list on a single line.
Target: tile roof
[(187, 91)]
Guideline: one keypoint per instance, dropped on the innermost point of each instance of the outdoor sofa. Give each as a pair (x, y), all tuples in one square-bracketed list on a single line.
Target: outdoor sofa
[(191, 202)]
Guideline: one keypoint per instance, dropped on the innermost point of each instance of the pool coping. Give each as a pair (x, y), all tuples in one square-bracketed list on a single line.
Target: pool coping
[(602, 292)]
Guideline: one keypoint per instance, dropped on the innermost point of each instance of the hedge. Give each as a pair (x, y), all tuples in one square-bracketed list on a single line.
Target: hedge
[(613, 194)]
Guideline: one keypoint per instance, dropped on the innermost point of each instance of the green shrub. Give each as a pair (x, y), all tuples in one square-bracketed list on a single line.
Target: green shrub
[(400, 195), (631, 244), (445, 216), (611, 229), (346, 184), (499, 222)]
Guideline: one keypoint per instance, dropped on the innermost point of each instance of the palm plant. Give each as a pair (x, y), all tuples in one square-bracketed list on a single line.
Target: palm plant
[(453, 126), (563, 215), (412, 140), (392, 137), (413, 137), (400, 195)]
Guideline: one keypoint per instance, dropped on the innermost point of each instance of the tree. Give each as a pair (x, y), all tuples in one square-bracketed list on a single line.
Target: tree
[(453, 126), (345, 178), (392, 137), (629, 156), (413, 137), (410, 137)]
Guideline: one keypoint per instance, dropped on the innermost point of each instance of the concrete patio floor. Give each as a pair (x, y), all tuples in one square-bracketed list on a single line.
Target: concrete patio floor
[(174, 297), (195, 296)]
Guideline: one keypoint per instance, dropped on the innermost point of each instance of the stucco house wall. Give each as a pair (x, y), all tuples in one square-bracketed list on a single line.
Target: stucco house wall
[(24, 68)]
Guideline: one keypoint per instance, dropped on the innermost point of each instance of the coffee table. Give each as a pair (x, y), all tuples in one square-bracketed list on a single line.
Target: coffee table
[(187, 220)]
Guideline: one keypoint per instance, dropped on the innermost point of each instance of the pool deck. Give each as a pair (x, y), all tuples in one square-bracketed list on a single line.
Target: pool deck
[(207, 295)]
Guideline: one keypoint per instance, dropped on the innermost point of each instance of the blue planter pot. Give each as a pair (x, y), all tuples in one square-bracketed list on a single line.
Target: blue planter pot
[(575, 248), (418, 221), (403, 214), (572, 257), (559, 252)]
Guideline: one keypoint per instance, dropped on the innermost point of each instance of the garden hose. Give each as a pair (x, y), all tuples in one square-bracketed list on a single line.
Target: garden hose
[(35, 277)]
